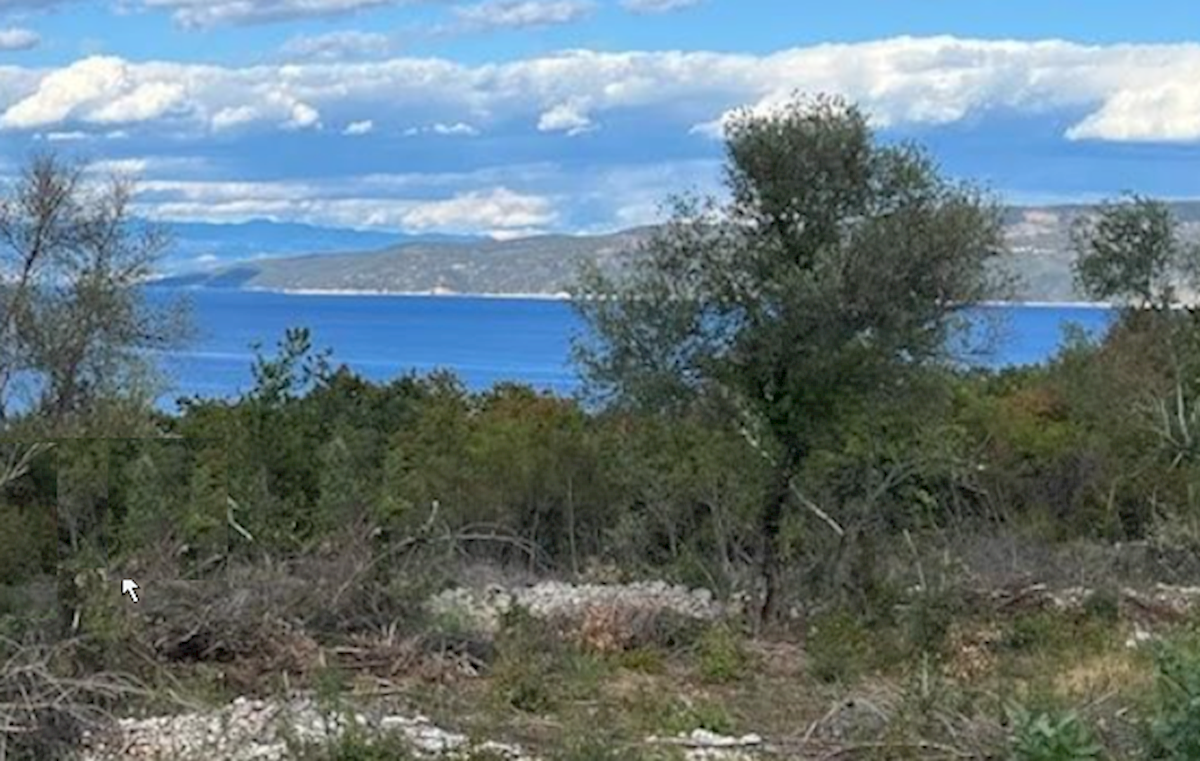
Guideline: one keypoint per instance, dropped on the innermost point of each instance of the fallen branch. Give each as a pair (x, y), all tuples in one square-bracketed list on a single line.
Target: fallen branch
[(44, 714)]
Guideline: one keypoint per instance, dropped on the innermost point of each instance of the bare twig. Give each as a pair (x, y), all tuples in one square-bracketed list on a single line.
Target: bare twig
[(43, 712)]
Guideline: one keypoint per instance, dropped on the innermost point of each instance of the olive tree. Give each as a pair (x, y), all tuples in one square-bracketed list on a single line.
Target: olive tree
[(74, 324), (833, 269), (1131, 250)]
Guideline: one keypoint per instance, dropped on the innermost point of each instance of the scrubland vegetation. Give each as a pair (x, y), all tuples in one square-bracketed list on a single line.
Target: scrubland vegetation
[(921, 560)]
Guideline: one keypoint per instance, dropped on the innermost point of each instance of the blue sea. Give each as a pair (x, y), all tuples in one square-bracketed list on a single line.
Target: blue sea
[(483, 340)]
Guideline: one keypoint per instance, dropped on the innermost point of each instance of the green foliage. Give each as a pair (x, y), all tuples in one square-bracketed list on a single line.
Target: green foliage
[(682, 716), (27, 541), (779, 308), (293, 370), (839, 647), (1103, 606), (1174, 727), (814, 297), (720, 654), (646, 660), (1132, 251), (1043, 736), (1031, 631), (927, 622), (74, 325), (535, 669)]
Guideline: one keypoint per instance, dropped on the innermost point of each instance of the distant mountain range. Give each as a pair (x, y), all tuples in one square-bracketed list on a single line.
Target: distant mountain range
[(206, 246), (335, 260), (542, 265)]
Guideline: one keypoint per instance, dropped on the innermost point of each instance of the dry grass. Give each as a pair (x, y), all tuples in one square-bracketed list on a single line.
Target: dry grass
[(1112, 672), (631, 673), (44, 712)]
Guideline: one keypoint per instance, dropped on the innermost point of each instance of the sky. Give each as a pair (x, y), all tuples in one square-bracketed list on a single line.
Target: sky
[(514, 117)]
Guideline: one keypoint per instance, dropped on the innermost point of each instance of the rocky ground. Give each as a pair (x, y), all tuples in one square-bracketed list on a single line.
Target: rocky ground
[(274, 729), (481, 610), (270, 730)]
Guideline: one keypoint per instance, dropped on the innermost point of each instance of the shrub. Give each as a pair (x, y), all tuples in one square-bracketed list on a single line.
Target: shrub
[(839, 647), (536, 669), (721, 655), (1174, 727), (1033, 631), (1047, 736), (1104, 606)]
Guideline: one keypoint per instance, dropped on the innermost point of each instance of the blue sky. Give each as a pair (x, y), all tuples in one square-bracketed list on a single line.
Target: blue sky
[(518, 116)]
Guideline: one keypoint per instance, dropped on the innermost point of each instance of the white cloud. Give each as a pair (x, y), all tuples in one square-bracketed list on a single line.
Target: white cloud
[(200, 14), (454, 129), (135, 166), (364, 127), (515, 233), (658, 6), (144, 166), (104, 90), (499, 209), (1123, 92), (64, 137), (570, 117), (334, 46), (16, 38), (345, 204), (303, 116), (457, 129), (143, 103), (100, 90), (521, 14), (234, 116), (1168, 112)]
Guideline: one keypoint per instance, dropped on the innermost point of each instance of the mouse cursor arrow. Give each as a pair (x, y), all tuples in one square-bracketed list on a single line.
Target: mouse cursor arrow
[(127, 588)]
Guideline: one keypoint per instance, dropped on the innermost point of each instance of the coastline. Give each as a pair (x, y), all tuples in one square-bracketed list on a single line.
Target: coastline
[(435, 293), (564, 296)]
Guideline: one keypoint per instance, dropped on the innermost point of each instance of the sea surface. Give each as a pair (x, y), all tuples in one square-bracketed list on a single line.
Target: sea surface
[(483, 340)]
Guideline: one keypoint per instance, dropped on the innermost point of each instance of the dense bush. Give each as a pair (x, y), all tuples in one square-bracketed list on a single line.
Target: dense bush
[(314, 454)]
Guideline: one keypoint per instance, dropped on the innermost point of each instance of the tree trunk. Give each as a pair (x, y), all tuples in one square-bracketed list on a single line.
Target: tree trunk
[(571, 526), (769, 526)]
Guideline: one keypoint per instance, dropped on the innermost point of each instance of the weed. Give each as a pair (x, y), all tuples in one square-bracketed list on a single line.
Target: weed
[(1174, 728), (1103, 605), (536, 669), (839, 647), (1045, 736), (722, 658), (684, 716), (1031, 631), (927, 621), (644, 660)]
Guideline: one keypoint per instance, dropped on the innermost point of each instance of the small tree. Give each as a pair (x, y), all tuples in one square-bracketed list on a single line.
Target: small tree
[(830, 274), (1131, 251), (73, 322)]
